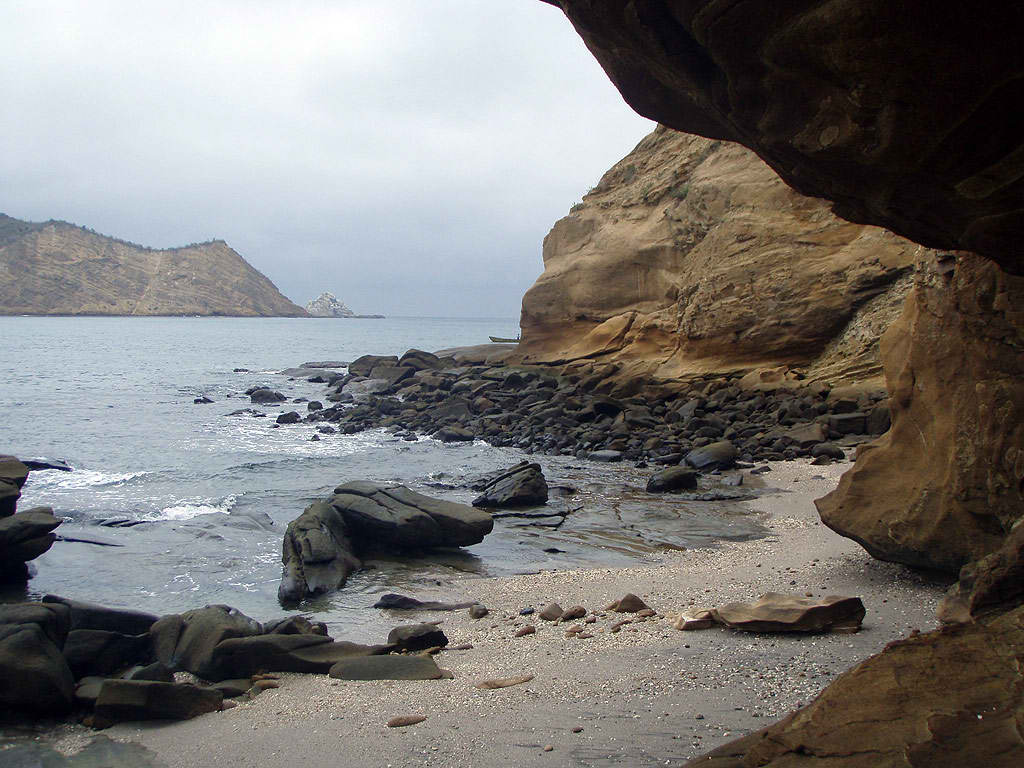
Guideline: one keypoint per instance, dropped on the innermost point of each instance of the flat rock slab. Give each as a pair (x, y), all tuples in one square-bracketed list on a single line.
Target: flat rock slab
[(92, 616), (395, 602), (244, 657), (391, 667), (121, 700), (673, 479), (776, 612)]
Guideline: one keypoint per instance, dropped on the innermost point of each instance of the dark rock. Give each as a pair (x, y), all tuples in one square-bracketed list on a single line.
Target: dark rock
[(523, 485), (392, 374), (478, 611), (53, 620), (395, 602), (395, 517), (317, 553), (266, 396), (672, 479), (719, 455), (187, 641), (831, 450), (234, 688), (314, 654), (99, 652), (34, 677), (605, 455), (392, 667), (202, 400), (363, 365), (453, 435), (314, 405), (295, 625), (292, 417), (92, 616), (129, 700), (417, 637), (156, 671), (879, 419), (421, 361), (24, 537), (36, 465), (848, 424)]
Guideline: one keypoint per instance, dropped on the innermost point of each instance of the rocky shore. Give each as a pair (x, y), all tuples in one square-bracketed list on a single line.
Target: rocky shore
[(602, 688), (706, 422)]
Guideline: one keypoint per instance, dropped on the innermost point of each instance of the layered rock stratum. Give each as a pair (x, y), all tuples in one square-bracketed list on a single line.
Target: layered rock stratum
[(57, 268), (691, 255)]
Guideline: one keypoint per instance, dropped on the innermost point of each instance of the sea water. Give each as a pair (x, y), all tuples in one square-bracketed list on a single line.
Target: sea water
[(193, 502)]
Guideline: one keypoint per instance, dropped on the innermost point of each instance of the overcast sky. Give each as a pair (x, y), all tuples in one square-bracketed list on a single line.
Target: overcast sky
[(407, 155)]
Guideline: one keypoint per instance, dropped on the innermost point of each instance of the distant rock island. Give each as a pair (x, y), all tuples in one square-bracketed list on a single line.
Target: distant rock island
[(57, 268), (327, 305)]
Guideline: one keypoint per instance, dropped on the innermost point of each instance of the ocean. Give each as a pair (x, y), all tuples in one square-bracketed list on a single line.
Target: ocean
[(197, 500)]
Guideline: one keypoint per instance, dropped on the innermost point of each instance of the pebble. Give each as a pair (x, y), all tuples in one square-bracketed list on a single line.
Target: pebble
[(404, 720)]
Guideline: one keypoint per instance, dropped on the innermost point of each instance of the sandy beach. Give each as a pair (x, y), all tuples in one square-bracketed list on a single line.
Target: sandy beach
[(643, 696)]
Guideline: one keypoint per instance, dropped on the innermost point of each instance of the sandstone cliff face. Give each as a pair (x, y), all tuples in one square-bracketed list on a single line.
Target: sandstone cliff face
[(944, 486), (692, 255), (55, 268)]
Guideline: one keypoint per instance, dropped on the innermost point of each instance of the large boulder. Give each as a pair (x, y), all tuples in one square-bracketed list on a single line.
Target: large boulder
[(100, 652), (13, 474), (317, 553), (128, 700), (186, 641), (24, 537), (53, 620), (946, 483), (243, 657), (523, 485), (718, 455), (34, 677), (266, 396), (363, 365), (86, 615), (387, 516)]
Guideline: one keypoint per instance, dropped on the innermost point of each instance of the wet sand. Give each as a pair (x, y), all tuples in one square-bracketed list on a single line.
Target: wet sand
[(644, 696)]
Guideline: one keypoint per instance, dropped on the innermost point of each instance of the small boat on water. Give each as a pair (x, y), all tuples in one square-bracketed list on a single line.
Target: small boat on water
[(499, 340)]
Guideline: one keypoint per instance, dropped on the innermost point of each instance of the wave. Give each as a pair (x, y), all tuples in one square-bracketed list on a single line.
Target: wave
[(186, 509), (79, 479)]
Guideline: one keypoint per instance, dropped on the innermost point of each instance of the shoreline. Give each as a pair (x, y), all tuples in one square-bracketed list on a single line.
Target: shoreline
[(647, 695)]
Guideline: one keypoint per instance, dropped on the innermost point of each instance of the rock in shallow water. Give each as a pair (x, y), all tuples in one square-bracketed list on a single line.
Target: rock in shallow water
[(523, 485)]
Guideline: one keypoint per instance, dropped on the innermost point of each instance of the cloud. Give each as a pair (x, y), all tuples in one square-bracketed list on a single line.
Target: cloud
[(407, 156)]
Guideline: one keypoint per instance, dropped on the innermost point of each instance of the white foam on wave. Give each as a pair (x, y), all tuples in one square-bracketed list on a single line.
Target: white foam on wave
[(189, 508), (79, 479)]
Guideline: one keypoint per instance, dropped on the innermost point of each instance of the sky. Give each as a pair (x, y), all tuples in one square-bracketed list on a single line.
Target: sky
[(407, 155)]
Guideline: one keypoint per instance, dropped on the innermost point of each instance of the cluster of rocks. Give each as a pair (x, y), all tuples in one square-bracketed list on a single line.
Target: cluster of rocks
[(540, 410), (109, 665), (26, 535), (328, 540)]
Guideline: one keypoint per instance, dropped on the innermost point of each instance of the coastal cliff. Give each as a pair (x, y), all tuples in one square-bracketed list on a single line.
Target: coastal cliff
[(56, 268), (692, 256)]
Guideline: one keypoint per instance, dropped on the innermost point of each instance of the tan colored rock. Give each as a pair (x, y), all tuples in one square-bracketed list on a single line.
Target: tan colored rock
[(700, 620), (56, 268), (628, 603), (916, 705), (994, 583), (776, 612), (403, 721), (946, 483), (503, 682), (691, 255)]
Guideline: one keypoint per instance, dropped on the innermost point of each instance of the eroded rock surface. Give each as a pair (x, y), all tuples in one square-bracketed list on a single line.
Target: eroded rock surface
[(692, 255), (945, 484)]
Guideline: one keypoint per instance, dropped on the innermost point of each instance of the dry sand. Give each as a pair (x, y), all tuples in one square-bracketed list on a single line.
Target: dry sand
[(647, 695)]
